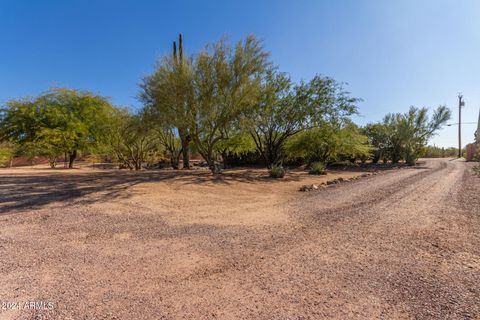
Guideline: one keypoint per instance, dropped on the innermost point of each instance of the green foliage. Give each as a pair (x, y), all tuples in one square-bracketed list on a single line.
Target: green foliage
[(437, 152), (6, 153), (61, 121), (317, 168), (277, 172), (202, 98), (378, 139), (225, 102), (405, 136), (172, 145), (328, 143), (227, 83), (169, 98), (285, 110), (238, 145), (344, 164), (409, 133), (167, 137), (477, 153), (275, 118), (132, 141)]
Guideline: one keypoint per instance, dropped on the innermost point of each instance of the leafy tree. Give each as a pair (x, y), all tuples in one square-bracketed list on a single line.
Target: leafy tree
[(166, 134), (377, 134), (131, 140), (61, 121), (172, 145), (276, 118), (354, 144), (437, 152), (409, 132), (284, 110), (168, 97), (227, 84)]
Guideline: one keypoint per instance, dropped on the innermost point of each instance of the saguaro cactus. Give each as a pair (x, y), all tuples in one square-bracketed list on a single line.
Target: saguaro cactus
[(178, 58), (183, 132)]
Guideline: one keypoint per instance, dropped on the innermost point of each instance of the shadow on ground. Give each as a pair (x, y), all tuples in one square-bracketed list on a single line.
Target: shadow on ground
[(32, 190)]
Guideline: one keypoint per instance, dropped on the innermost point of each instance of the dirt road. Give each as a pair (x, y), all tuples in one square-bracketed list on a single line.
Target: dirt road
[(404, 244)]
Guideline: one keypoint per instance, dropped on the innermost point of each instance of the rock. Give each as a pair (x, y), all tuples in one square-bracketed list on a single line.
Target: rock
[(306, 187), (303, 188)]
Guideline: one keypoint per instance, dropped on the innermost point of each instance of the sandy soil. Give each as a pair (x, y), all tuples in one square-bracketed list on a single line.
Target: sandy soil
[(168, 245)]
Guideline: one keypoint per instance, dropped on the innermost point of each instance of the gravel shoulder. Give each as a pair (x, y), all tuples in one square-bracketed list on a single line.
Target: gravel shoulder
[(403, 244)]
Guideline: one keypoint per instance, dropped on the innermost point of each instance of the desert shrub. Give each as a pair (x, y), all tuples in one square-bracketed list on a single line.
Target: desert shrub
[(317, 168), (277, 172), (477, 155)]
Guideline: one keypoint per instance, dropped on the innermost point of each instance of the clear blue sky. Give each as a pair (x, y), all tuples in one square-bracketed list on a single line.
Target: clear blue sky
[(392, 53)]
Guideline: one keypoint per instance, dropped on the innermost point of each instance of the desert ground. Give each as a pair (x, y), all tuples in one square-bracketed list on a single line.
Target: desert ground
[(109, 244)]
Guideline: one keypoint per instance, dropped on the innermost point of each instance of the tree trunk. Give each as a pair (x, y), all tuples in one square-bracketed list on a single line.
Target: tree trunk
[(174, 163), (53, 162), (225, 159), (212, 164), (174, 160), (186, 152), (72, 158)]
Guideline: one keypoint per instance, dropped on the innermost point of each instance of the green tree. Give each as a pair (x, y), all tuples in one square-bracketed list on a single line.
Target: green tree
[(131, 140), (410, 132), (275, 118), (377, 134), (61, 121), (284, 110), (168, 98), (227, 85), (167, 135)]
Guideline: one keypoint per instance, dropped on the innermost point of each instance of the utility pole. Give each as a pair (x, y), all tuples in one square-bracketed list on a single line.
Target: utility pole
[(461, 103)]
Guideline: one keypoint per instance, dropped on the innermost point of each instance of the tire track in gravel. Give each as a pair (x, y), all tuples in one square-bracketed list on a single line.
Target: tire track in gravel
[(397, 245), (371, 240)]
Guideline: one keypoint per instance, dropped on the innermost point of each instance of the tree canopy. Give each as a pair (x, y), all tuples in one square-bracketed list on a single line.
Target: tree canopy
[(60, 121)]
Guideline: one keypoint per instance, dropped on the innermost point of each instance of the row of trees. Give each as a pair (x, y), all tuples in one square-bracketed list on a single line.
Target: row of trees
[(221, 103), (404, 136), (437, 152)]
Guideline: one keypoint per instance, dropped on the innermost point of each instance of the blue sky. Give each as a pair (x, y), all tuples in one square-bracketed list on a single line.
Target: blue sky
[(393, 54)]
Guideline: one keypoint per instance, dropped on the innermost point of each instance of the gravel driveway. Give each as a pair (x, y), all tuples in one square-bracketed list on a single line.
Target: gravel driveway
[(403, 244)]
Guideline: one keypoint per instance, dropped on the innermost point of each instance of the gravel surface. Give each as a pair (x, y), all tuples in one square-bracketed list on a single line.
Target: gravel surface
[(403, 244)]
